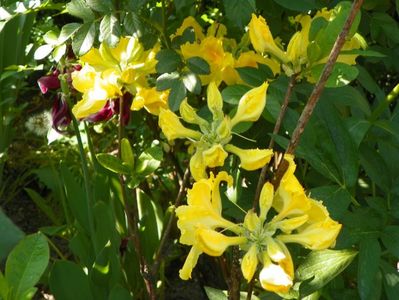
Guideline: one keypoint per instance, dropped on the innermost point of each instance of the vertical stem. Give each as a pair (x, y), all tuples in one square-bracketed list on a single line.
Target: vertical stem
[(132, 214), (89, 200), (235, 275)]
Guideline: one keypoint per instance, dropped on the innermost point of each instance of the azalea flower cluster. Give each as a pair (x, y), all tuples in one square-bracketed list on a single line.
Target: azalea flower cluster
[(287, 215), (108, 74), (295, 59)]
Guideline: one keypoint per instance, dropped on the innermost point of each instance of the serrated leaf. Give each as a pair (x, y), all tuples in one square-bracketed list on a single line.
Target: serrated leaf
[(67, 31), (113, 163), (198, 65), (176, 95), (43, 51), (79, 9), (109, 30), (320, 267), (166, 81), (84, 39), (168, 61), (26, 264), (192, 83)]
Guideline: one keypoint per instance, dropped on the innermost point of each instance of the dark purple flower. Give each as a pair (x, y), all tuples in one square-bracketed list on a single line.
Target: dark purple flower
[(111, 108), (60, 113), (50, 82)]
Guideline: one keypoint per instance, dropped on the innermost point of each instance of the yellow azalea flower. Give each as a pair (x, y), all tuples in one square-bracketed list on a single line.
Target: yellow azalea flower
[(108, 73), (211, 50), (262, 39), (211, 143), (150, 99), (248, 59), (298, 45), (298, 219), (190, 22), (198, 220)]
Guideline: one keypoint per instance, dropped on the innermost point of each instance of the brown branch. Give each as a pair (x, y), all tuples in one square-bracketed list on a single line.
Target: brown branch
[(235, 275), (319, 87), (277, 126), (316, 93), (160, 253)]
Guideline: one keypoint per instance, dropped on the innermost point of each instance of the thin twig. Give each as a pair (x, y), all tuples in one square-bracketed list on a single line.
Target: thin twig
[(250, 288), (161, 249), (277, 126), (235, 275), (133, 215)]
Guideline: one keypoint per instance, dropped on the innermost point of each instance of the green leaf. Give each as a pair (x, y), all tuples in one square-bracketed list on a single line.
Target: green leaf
[(51, 38), (198, 65), (132, 24), (69, 282), (3, 287), (341, 75), (59, 52), (391, 280), (233, 93), (302, 6), (103, 6), (43, 206), (168, 61), (127, 153), (166, 81), (365, 53), (119, 293), (238, 12), (320, 267), (67, 31), (192, 83), (252, 76), (149, 161), (390, 239), (10, 235), (109, 30), (43, 51), (26, 264), (113, 163), (84, 39), (368, 267), (79, 9), (215, 294), (176, 95)]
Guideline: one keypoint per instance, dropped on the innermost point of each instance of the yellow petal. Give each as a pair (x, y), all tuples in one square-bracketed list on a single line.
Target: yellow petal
[(216, 201), (214, 156), (251, 105), (252, 221), (251, 159), (215, 101), (277, 277), (152, 100), (288, 225), (190, 22), (173, 129), (189, 114), (266, 199), (249, 263), (197, 166), (297, 47), (262, 39), (190, 263), (214, 243), (83, 80)]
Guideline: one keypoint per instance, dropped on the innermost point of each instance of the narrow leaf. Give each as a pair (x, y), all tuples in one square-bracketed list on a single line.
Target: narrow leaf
[(84, 39), (112, 163)]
